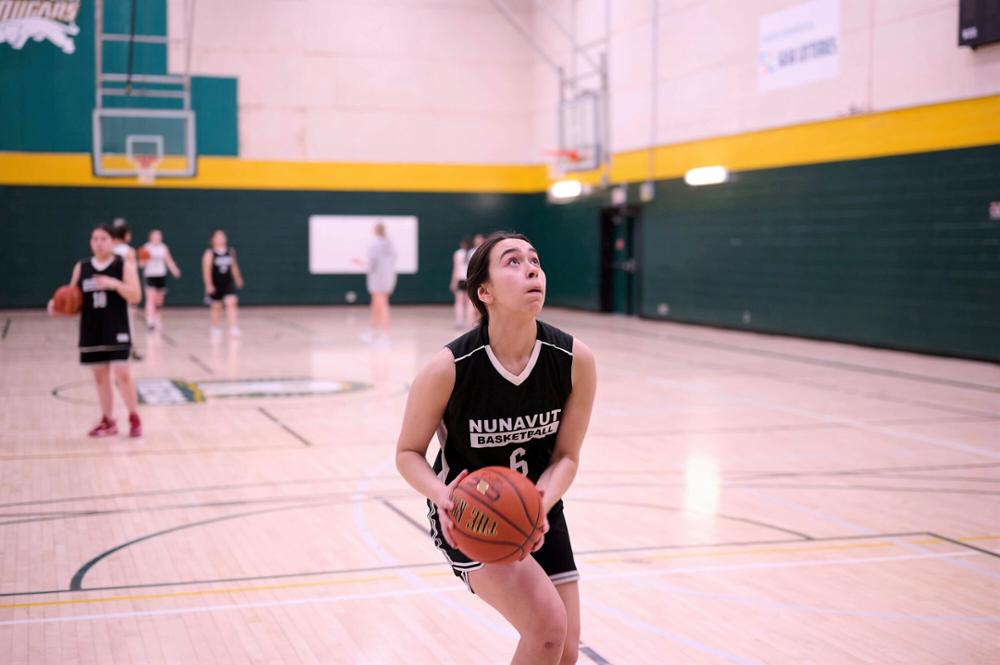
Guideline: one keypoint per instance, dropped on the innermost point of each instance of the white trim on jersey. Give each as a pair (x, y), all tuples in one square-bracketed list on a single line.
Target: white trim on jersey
[(442, 434), (470, 353), (554, 346), (525, 373)]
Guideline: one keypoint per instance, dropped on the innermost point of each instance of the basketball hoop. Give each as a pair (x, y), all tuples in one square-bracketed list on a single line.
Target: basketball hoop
[(559, 160), (145, 168)]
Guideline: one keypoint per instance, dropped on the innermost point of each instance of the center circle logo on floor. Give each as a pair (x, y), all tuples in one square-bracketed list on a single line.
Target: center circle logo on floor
[(160, 392)]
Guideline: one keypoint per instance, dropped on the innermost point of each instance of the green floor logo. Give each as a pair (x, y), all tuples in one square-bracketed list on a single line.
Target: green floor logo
[(160, 392)]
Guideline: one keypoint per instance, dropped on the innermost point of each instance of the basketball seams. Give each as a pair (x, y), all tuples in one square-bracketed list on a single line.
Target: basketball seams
[(524, 506), (492, 511)]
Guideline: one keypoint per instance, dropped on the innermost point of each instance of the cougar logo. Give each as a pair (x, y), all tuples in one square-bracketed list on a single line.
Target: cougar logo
[(19, 31), (51, 20)]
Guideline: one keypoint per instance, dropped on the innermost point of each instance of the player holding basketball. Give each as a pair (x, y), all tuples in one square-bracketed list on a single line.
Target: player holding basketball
[(511, 368), (109, 283), (155, 260), (222, 277)]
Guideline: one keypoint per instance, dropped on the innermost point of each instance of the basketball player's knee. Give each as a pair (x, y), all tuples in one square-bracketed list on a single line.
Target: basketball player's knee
[(571, 652), (549, 628)]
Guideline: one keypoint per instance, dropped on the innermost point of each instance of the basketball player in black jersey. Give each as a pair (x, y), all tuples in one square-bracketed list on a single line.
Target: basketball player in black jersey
[(109, 284), (514, 392), (222, 277)]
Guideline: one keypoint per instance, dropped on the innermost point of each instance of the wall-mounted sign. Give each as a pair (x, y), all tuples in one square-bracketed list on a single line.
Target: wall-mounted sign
[(39, 20), (799, 45)]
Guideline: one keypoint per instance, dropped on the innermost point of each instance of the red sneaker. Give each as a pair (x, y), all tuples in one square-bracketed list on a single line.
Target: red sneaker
[(106, 427), (134, 425)]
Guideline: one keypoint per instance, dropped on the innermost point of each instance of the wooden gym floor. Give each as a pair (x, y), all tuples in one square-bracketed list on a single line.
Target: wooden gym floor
[(742, 498)]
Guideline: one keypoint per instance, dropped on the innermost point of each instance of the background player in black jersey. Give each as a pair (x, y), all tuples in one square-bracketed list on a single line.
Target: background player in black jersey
[(511, 372), (222, 277), (109, 283)]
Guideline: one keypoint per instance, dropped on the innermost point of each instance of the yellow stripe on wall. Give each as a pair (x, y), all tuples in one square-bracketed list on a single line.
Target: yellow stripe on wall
[(952, 125), (74, 170), (949, 126)]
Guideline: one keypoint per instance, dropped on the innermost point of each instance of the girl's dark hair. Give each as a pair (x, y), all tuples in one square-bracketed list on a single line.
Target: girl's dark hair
[(107, 228), (119, 229), (479, 269)]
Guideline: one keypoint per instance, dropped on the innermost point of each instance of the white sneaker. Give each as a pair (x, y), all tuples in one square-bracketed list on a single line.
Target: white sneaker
[(216, 334), (368, 337), (234, 332)]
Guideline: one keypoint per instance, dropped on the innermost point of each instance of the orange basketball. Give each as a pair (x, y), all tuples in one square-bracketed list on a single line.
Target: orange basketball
[(143, 254), (68, 300), (497, 515)]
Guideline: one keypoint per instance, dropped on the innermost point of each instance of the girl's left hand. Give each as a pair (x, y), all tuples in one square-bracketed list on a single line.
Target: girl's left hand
[(545, 527)]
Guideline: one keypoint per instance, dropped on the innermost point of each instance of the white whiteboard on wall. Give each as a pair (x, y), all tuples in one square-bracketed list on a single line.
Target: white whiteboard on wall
[(335, 241)]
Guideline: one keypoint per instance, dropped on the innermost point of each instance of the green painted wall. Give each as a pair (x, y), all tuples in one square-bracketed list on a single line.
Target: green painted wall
[(268, 229), (568, 241), (897, 252)]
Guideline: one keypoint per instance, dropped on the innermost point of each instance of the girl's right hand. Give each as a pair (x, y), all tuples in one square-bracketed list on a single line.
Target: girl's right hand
[(51, 308), (444, 505), (209, 290)]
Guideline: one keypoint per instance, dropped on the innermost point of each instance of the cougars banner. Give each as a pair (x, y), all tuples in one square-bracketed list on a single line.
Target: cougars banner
[(24, 20)]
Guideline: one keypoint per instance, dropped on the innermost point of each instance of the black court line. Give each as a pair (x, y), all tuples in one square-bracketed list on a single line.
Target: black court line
[(138, 452), (964, 544), (593, 655), (197, 488), (422, 528), (961, 479), (197, 361), (733, 518), (168, 339), (76, 583), (291, 325), (6, 328), (867, 488), (444, 565), (285, 427), (882, 469), (836, 364), (329, 498), (753, 485)]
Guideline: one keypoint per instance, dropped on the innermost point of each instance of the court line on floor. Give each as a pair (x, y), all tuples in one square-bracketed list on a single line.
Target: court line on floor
[(690, 570), (822, 417), (283, 426), (394, 476), (197, 361), (733, 518), (76, 583), (6, 328), (768, 603), (629, 620), (836, 364), (587, 556)]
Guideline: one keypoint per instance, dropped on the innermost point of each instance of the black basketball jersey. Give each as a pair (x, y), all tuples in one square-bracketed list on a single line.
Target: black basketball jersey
[(104, 323), (222, 270), (496, 418)]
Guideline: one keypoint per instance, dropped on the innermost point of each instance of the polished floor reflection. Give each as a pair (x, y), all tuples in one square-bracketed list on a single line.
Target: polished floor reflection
[(742, 498)]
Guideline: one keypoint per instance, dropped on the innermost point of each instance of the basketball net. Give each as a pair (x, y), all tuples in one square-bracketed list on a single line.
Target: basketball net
[(559, 160), (145, 168)]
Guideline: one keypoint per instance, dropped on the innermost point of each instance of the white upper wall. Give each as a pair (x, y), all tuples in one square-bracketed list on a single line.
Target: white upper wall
[(451, 81), (367, 80)]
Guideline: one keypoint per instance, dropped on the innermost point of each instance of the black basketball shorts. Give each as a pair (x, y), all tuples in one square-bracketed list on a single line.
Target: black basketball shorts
[(555, 557)]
